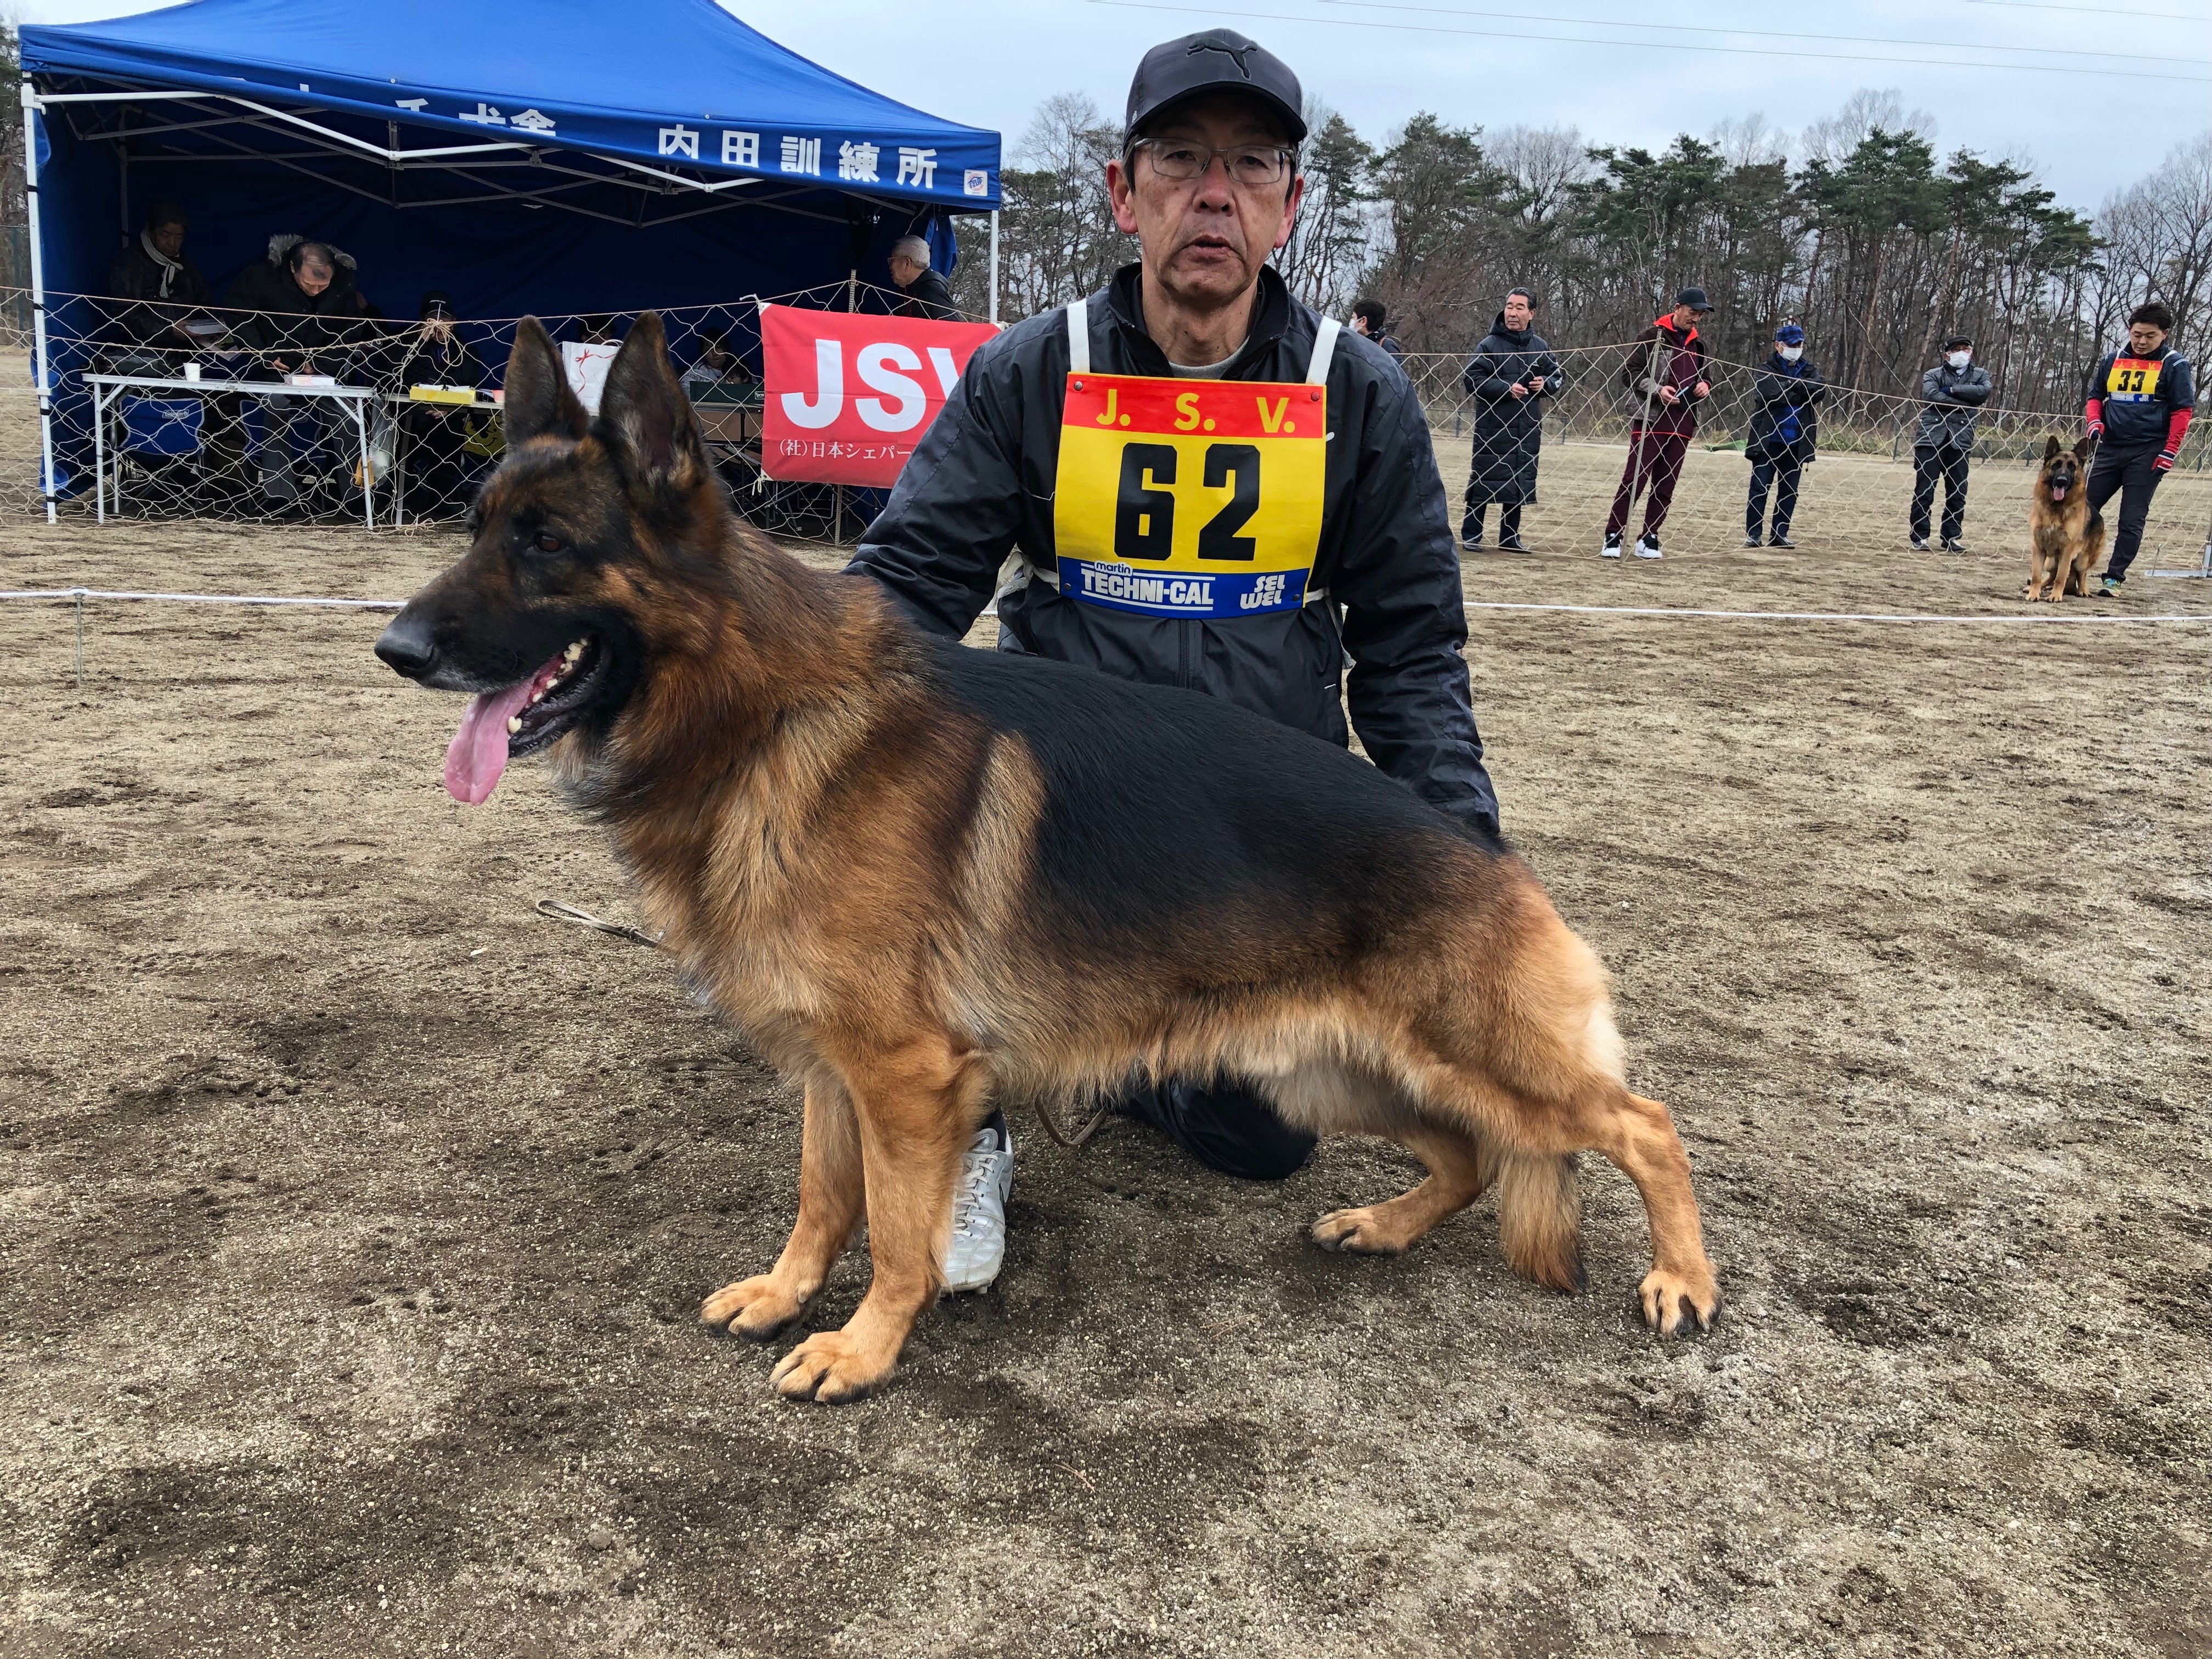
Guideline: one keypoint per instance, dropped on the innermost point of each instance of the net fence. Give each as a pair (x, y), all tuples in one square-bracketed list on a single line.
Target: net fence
[(170, 412), (1853, 464), (408, 423)]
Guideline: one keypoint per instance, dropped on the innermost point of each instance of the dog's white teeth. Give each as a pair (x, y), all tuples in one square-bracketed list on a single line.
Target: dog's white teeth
[(514, 724), (574, 651), (537, 696)]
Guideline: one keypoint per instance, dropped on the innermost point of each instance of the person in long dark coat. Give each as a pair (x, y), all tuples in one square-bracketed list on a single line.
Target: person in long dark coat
[(1511, 374), (1785, 430)]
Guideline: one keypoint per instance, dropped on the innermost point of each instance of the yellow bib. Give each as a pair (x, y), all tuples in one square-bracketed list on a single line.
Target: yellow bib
[(2133, 379), (1189, 497)]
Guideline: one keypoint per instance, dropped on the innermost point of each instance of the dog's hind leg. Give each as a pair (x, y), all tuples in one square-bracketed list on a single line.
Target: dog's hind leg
[(914, 1108), (829, 1192), (1461, 1166)]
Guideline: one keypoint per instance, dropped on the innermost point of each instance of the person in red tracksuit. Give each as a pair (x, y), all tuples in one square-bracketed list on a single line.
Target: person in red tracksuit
[(2140, 401), (1667, 373)]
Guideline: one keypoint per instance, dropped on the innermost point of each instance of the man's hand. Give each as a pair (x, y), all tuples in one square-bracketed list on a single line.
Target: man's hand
[(2096, 431), (2164, 461), (1669, 396), (1703, 390), (1535, 383), (1518, 389)]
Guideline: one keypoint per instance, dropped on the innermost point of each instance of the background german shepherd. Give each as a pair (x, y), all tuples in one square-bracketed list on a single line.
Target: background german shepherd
[(925, 879), (2064, 538)]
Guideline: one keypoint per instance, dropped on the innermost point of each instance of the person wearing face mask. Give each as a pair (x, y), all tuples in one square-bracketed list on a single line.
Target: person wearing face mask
[(1207, 485), (1784, 434), (1511, 374), (1943, 443)]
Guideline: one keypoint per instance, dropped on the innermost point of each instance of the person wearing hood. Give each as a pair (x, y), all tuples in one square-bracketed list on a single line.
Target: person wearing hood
[(154, 274), (1784, 433), (299, 302), (1511, 374), (1943, 442), (300, 299)]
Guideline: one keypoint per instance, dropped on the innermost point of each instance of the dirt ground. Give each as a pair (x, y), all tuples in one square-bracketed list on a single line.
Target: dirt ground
[(354, 1217)]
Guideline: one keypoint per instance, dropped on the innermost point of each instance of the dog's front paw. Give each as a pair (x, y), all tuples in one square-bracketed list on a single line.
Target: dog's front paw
[(757, 1307), (831, 1368), (1670, 1300), (1360, 1231)]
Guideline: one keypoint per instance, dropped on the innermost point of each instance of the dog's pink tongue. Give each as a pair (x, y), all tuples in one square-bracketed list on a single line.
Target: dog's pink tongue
[(478, 754)]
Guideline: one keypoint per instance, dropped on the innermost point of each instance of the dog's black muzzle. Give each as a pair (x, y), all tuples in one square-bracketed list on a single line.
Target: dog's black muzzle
[(407, 648)]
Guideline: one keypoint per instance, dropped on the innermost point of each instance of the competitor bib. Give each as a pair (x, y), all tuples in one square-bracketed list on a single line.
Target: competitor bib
[(2133, 379), (1189, 498)]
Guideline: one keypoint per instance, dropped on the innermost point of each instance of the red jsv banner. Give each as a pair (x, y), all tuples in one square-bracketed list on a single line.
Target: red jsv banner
[(849, 395)]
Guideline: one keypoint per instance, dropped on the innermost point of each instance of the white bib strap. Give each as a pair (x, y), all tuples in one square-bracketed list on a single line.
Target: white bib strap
[(1324, 349), (1079, 336)]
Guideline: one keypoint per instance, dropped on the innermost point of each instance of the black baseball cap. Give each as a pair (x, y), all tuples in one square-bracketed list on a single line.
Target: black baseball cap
[(1694, 298), (1217, 60)]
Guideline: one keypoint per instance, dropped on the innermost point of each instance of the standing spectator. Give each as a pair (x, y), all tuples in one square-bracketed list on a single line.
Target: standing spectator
[(1367, 318), (926, 292), (1784, 433), (154, 272), (1667, 372), (2139, 402), (1944, 441), (1509, 375)]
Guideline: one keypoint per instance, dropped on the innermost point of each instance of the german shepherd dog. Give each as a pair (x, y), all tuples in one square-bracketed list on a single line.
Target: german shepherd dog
[(2065, 537), (926, 879)]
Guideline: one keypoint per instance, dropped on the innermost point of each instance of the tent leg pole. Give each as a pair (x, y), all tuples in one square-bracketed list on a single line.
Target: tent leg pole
[(995, 264), (39, 297), (837, 530)]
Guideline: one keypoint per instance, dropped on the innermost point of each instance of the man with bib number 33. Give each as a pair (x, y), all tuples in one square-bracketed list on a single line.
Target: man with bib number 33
[(2139, 402), (1207, 485)]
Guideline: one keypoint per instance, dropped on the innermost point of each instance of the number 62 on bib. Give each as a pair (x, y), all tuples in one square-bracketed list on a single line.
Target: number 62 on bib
[(1189, 498)]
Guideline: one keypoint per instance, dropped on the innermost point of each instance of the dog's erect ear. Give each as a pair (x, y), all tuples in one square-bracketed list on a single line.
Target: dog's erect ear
[(656, 435), (2050, 447), (539, 400), (2082, 446)]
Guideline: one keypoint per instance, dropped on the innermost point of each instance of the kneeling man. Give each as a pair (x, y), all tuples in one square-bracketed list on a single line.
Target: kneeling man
[(1207, 485)]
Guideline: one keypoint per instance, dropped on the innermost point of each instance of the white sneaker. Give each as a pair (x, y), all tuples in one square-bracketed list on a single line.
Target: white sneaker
[(1647, 547), (977, 1249), (1612, 547)]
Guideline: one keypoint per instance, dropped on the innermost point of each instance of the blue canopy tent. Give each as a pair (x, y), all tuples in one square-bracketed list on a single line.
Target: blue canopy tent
[(566, 156)]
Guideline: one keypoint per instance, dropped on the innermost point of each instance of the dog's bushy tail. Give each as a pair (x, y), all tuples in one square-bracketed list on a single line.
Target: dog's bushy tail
[(1540, 1218)]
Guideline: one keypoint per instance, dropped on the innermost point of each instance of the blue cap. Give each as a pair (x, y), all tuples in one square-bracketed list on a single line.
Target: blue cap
[(1790, 334)]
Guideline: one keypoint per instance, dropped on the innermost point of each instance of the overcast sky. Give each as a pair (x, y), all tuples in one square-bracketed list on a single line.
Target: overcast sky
[(2075, 88)]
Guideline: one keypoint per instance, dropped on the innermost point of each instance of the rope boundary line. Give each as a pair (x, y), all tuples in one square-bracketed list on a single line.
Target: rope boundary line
[(197, 598), (1823, 616), (992, 610)]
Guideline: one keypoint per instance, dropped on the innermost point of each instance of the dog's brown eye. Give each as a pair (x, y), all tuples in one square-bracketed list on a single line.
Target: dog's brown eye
[(545, 542)]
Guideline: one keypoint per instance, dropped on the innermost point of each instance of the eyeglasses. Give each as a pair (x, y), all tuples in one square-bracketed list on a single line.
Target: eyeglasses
[(1253, 165)]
